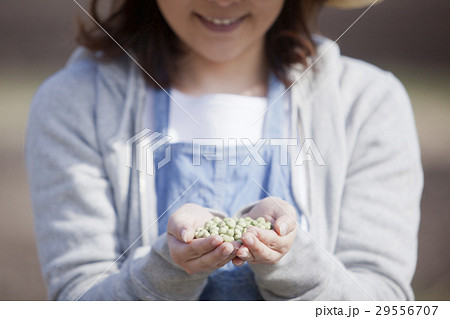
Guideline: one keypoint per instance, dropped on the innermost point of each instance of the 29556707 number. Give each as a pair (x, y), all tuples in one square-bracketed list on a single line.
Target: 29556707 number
[(406, 310)]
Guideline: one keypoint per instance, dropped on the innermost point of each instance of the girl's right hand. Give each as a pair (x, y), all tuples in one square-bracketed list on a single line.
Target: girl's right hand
[(196, 255), (262, 246)]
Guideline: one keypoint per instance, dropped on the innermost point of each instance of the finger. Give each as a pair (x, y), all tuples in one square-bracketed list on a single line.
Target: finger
[(238, 261), (214, 259), (182, 224), (194, 249), (268, 237), (278, 207), (260, 252), (244, 254), (180, 229), (285, 224), (272, 240), (226, 261), (202, 246)]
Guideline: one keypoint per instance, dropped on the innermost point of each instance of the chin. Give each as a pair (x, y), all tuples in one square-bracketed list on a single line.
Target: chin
[(221, 55)]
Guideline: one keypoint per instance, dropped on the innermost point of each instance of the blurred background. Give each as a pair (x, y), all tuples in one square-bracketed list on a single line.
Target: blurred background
[(407, 37)]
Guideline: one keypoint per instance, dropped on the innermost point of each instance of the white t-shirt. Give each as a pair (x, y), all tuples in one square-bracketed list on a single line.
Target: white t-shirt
[(218, 115), (226, 116)]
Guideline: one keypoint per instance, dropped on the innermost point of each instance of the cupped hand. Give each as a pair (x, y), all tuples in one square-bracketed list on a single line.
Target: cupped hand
[(196, 255), (262, 246)]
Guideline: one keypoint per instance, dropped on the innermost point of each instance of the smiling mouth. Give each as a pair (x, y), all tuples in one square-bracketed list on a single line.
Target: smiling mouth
[(221, 24), (218, 21)]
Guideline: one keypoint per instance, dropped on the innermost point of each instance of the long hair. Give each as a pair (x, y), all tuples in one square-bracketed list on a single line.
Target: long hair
[(139, 27)]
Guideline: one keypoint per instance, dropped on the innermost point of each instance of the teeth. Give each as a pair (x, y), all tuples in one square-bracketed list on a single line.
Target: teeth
[(221, 21)]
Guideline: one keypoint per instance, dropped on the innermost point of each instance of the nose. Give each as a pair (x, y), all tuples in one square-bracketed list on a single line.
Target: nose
[(225, 3)]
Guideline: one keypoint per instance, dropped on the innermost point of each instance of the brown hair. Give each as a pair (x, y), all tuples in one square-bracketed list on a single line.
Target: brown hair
[(139, 27)]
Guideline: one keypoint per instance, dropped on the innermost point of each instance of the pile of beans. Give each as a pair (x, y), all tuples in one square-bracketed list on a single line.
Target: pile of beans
[(231, 229)]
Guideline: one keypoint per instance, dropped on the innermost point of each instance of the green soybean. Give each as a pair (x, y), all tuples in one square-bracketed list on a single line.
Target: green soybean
[(242, 223), (216, 219), (230, 228), (203, 233), (227, 238), (230, 223)]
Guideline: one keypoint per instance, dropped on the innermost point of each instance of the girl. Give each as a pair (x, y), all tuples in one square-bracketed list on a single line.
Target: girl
[(266, 119)]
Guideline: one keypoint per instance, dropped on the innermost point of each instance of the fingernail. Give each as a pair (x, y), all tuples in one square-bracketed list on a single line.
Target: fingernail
[(217, 240), (244, 255), (226, 251), (249, 239), (184, 235), (283, 229)]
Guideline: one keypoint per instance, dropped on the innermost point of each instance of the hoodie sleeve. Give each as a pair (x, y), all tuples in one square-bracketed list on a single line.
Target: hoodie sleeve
[(376, 247), (76, 223)]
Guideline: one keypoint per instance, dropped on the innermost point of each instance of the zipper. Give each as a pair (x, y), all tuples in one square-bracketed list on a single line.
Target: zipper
[(297, 125), (145, 210), (307, 168)]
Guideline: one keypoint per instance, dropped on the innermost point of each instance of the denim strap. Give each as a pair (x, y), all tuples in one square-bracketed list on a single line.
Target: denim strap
[(161, 108), (274, 116)]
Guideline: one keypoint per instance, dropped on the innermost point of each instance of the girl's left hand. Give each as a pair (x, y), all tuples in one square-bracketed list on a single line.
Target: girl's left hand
[(262, 246)]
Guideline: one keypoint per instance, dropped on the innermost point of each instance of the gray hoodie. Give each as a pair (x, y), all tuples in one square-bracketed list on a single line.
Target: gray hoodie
[(94, 216)]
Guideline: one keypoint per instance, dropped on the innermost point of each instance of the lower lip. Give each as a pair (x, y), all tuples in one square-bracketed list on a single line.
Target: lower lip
[(221, 28)]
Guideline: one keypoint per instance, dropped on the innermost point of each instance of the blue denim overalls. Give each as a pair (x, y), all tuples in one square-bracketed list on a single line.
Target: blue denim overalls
[(222, 186)]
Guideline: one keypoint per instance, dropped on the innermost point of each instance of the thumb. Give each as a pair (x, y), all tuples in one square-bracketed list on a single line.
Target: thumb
[(284, 224), (186, 235), (180, 229)]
